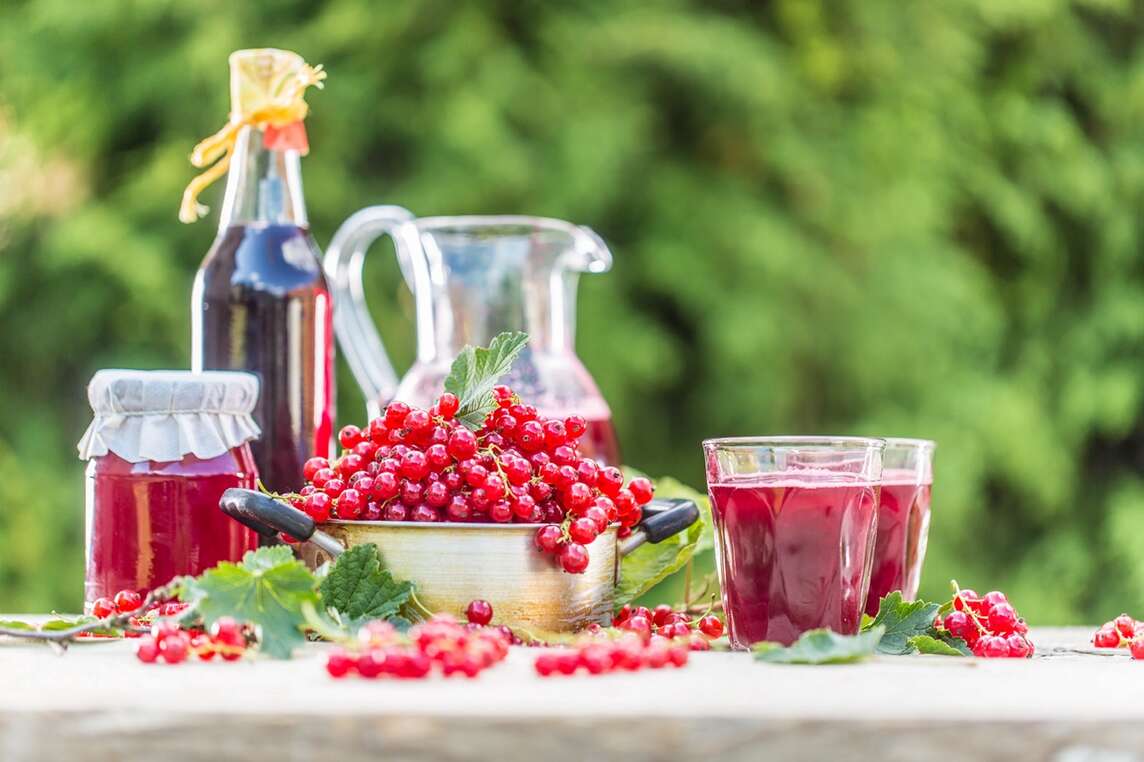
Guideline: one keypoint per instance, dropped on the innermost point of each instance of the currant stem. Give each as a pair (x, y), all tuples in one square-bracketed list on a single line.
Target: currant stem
[(114, 622)]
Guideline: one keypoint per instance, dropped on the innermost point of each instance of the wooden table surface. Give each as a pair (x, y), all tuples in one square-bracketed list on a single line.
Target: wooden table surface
[(97, 702)]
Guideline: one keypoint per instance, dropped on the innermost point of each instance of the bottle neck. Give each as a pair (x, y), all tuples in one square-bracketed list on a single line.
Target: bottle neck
[(263, 186)]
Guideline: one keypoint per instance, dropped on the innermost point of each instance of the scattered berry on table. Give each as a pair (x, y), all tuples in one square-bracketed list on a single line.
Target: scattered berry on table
[(479, 612)]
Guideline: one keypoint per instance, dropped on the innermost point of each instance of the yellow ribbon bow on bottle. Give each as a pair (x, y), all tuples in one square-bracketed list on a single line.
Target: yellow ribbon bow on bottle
[(267, 89)]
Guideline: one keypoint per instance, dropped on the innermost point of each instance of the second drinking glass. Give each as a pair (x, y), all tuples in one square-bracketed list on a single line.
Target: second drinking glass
[(795, 521)]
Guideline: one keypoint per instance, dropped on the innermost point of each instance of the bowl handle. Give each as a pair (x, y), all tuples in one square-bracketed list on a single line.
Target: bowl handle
[(270, 517), (662, 519)]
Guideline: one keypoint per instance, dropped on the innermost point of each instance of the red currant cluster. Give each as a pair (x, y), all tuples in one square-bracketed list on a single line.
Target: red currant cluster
[(173, 644), (598, 655), (519, 467), (667, 623), (988, 624), (441, 643), (1121, 631), (125, 601)]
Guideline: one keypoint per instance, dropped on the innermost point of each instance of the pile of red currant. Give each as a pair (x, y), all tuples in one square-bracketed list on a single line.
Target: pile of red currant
[(171, 643), (1121, 631), (439, 644), (518, 467), (670, 624), (598, 655), (988, 624)]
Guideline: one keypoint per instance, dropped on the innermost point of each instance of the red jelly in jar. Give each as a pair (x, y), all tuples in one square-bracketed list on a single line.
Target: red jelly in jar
[(163, 447)]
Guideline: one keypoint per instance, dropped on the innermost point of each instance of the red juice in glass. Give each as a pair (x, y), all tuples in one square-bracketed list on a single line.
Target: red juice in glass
[(794, 543), (903, 520)]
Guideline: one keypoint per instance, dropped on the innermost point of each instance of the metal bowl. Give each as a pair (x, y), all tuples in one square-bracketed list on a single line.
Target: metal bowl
[(452, 564)]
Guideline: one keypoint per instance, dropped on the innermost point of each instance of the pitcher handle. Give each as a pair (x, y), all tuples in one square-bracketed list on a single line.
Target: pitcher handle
[(357, 335)]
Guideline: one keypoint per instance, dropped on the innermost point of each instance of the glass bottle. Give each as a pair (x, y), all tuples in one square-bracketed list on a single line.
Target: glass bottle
[(261, 304)]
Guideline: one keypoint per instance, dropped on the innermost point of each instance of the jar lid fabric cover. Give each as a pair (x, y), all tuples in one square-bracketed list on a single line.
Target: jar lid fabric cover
[(164, 415)]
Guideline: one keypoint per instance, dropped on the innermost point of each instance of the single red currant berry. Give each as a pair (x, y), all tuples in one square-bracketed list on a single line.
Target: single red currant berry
[(462, 444), (545, 664), (992, 598), (350, 464), (598, 517), (376, 431), (957, 623), (622, 615), (991, 647), (147, 650), (1107, 637), (711, 626), (548, 538), (366, 450), (437, 495), (504, 396), (1125, 625), (334, 487), (583, 531), (641, 489), (386, 485), (565, 477), (964, 598), (574, 558), (476, 475), (447, 405), (640, 625), (339, 663), (313, 466), (563, 455), (606, 505), (479, 612), (395, 414), (349, 436), (1136, 647), (418, 420), (588, 471), (610, 480), (518, 471), (530, 436), (350, 504), (554, 433), (1002, 618), (173, 648), (1018, 646), (102, 608), (412, 493), (438, 457), (661, 615), (423, 513), (625, 504), (523, 507), (414, 465), (494, 486), (501, 512), (458, 509), (127, 600), (575, 426), (540, 491), (394, 512)]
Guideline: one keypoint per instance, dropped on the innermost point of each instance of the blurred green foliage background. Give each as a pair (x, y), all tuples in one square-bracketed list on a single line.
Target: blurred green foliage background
[(873, 216)]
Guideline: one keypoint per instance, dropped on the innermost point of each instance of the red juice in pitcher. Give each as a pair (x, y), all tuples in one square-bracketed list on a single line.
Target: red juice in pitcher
[(794, 553)]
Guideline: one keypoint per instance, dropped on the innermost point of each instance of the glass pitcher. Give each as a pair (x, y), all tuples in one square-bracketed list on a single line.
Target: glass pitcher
[(472, 278)]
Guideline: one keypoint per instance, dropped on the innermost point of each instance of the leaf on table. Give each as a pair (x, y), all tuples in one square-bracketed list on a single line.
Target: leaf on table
[(16, 624), (476, 371), (902, 621), (267, 589), (650, 564), (360, 588), (928, 644), (822, 647)]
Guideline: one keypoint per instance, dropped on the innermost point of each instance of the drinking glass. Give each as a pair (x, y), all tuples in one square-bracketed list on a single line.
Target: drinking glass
[(795, 521), (903, 520)]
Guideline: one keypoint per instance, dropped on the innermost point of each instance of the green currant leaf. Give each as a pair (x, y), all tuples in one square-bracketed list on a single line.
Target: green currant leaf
[(359, 588), (649, 564), (476, 371), (267, 590), (16, 624), (902, 621), (928, 644), (822, 647)]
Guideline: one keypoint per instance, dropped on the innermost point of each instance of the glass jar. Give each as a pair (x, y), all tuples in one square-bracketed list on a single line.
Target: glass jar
[(162, 449)]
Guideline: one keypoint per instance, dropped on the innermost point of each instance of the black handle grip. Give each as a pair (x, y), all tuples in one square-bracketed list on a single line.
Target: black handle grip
[(266, 515), (668, 516)]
